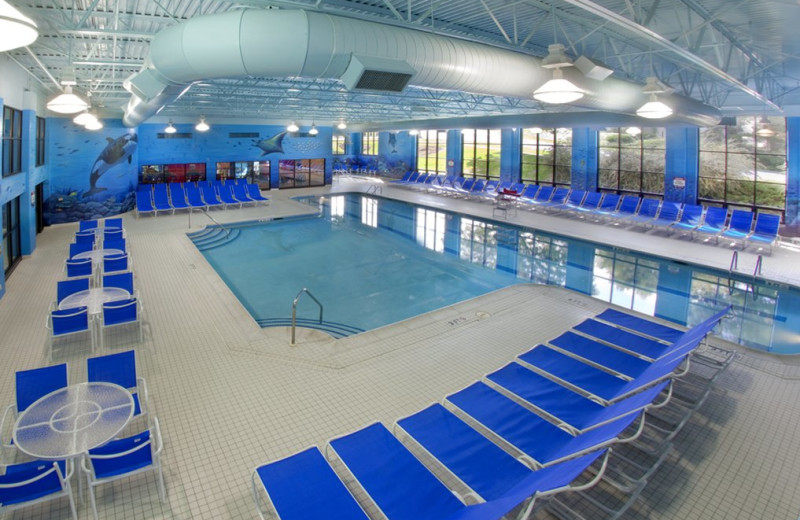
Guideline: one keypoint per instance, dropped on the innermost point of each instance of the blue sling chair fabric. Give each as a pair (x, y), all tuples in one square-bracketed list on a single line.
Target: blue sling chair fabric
[(534, 436), (178, 196), (765, 232), (481, 464), (740, 225), (667, 216), (400, 485), (572, 409), (600, 354), (634, 343), (304, 486), (640, 325)]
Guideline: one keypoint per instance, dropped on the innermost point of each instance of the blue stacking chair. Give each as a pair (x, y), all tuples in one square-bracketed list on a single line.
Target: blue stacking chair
[(112, 223), (83, 237), (144, 203), (540, 440), (713, 223), (399, 484), (69, 322), (119, 244), (304, 486), (116, 263), (120, 369), (120, 312), (87, 225), (765, 232), (178, 196), (66, 287), (691, 217), (113, 234), (79, 268), (30, 386), (161, 199), (125, 457), (120, 280), (739, 228), (34, 482), (255, 193)]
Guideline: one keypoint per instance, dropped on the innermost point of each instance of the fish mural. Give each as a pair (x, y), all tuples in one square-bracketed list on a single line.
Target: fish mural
[(270, 145), (393, 141), (116, 151)]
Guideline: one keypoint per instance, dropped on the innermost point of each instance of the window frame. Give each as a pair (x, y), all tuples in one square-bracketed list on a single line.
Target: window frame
[(41, 132), (339, 144), (440, 145), (537, 146), (640, 173), (369, 143), (12, 141), (489, 167)]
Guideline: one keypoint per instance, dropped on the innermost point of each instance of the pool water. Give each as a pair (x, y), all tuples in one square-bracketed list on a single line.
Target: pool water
[(372, 261)]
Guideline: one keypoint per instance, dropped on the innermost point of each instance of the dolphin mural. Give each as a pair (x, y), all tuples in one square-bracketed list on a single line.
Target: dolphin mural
[(270, 145), (116, 151), (393, 141)]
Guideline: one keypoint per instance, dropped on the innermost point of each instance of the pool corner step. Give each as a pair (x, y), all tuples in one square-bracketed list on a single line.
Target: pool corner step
[(337, 330)]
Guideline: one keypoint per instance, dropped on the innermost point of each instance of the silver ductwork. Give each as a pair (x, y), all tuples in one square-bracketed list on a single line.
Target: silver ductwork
[(287, 43)]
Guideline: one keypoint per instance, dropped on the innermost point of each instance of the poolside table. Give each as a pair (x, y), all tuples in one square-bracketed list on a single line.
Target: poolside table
[(73, 420), (97, 254), (94, 298)]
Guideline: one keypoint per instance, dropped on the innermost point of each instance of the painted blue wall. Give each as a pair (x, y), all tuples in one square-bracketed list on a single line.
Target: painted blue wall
[(682, 164), (584, 158), (793, 173), (93, 174)]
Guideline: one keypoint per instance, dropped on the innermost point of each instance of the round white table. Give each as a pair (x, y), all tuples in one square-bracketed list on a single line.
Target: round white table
[(97, 254), (94, 298), (73, 420)]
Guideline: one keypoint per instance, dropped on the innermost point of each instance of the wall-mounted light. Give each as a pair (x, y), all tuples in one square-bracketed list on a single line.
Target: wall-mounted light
[(292, 127), (170, 129), (202, 126), (16, 29), (313, 130), (557, 90)]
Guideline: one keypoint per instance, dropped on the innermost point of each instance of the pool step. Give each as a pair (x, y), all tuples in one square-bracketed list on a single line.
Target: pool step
[(337, 330), (213, 237)]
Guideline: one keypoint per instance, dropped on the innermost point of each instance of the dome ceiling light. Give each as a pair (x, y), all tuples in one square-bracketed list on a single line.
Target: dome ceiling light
[(654, 109), (558, 90)]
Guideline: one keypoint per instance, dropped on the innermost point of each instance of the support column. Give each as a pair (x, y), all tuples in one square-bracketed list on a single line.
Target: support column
[(682, 164), (455, 153), (584, 158), (27, 206), (510, 157), (793, 173)]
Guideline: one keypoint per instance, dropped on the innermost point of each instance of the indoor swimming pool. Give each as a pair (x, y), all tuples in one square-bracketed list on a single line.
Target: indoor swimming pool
[(372, 261)]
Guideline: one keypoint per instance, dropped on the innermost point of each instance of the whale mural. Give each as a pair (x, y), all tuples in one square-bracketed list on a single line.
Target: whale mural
[(117, 151)]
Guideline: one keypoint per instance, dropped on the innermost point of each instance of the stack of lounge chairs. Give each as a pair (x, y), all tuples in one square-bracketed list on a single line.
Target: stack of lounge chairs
[(587, 416), (155, 198), (736, 228)]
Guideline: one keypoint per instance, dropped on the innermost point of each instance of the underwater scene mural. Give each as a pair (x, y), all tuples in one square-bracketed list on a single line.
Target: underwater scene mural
[(92, 174)]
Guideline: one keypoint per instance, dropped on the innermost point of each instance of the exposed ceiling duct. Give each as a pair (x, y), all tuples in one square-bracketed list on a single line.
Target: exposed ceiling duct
[(295, 43)]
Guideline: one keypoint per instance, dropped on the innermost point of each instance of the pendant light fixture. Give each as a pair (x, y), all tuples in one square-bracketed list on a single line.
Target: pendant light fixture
[(16, 29), (313, 130), (94, 125), (654, 109), (558, 90), (763, 128), (413, 132), (170, 129), (202, 126), (84, 118), (292, 127), (633, 130), (67, 102), (342, 125)]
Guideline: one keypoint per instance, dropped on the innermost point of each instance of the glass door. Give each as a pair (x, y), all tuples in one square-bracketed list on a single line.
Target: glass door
[(12, 239)]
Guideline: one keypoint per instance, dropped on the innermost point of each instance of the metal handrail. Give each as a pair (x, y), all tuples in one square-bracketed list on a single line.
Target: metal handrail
[(375, 189), (757, 270), (294, 310), (734, 261), (226, 230)]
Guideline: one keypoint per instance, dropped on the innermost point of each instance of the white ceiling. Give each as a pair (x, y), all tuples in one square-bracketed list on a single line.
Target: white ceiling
[(738, 55)]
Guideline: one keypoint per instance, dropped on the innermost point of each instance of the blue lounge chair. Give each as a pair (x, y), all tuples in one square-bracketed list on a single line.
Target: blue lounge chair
[(161, 199), (538, 439), (574, 201), (477, 188), (255, 193), (631, 342), (571, 410), (227, 198), (483, 466), (648, 210), (193, 196), (240, 194), (543, 195), (528, 194), (739, 228), (667, 216), (144, 203), (627, 208), (607, 206), (464, 188), (691, 217), (589, 205), (765, 232), (588, 350), (713, 223), (400, 485), (557, 200), (210, 196), (404, 178), (641, 325), (178, 196), (412, 179), (304, 486)]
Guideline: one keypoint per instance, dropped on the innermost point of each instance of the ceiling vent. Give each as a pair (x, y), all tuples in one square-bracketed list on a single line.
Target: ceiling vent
[(377, 74)]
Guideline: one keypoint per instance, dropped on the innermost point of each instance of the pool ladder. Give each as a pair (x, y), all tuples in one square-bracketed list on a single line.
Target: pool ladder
[(294, 310), (751, 287)]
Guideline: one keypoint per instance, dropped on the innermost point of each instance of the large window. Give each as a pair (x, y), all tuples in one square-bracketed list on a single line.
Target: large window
[(432, 151), (744, 165), (40, 146), (339, 144), (481, 149), (157, 173), (255, 172), (369, 143), (546, 155), (12, 141), (632, 160), (301, 173)]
